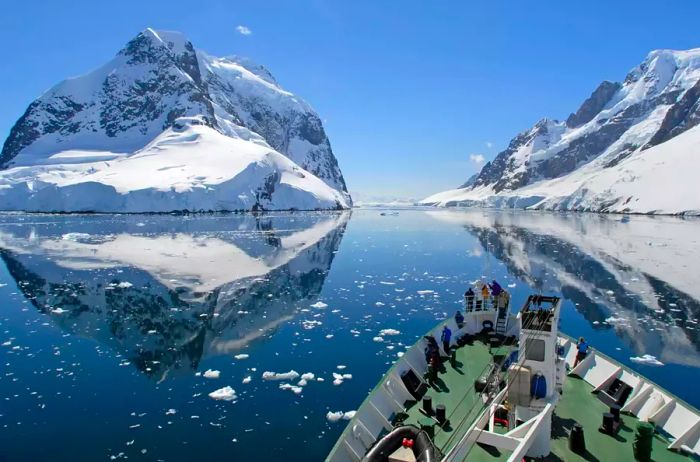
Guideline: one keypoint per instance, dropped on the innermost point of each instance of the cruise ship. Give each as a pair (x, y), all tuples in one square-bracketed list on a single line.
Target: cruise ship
[(509, 387)]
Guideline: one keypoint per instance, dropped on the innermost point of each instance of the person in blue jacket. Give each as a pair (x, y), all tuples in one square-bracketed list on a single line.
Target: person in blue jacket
[(582, 348), (446, 337), (459, 319)]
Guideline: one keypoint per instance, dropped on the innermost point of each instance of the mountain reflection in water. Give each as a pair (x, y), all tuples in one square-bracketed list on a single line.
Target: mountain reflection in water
[(639, 276), (166, 300)]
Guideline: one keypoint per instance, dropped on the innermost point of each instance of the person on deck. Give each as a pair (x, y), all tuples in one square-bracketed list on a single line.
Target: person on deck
[(459, 319), (582, 348), (446, 337), (469, 299), (496, 288), (484, 295), (503, 300)]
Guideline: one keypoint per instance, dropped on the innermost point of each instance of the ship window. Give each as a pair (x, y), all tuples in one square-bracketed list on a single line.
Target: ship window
[(535, 350)]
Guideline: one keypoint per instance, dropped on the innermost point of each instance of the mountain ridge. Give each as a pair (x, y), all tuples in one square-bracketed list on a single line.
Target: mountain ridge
[(657, 101)]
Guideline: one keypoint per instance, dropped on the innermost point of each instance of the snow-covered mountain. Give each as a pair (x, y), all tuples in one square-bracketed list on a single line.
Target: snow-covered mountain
[(630, 147), (163, 127)]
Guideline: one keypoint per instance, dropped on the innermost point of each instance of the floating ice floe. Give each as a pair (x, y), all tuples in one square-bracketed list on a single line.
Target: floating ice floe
[(649, 360), (291, 375), (385, 332), (286, 386), (425, 292), (379, 304), (511, 285), (59, 310), (170, 412), (75, 236), (124, 285), (310, 324), (241, 356), (339, 415), (339, 378), (319, 305), (247, 379), (211, 374), (613, 320), (223, 394)]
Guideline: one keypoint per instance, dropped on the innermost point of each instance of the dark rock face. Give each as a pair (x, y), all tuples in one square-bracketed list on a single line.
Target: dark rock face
[(496, 172), (280, 128), (23, 133), (594, 104), (682, 116)]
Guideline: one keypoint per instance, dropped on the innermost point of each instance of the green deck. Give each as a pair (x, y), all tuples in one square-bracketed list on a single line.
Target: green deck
[(455, 390)]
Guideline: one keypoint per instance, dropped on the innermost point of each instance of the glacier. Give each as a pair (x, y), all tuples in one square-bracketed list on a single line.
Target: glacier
[(164, 127)]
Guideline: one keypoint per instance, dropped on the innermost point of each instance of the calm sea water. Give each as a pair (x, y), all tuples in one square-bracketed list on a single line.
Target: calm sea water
[(108, 323)]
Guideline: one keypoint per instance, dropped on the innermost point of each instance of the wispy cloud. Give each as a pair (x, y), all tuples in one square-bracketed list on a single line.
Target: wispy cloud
[(243, 30), (478, 159), (489, 144)]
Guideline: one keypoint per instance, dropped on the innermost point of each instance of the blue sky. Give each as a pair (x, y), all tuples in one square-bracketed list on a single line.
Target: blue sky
[(410, 91)]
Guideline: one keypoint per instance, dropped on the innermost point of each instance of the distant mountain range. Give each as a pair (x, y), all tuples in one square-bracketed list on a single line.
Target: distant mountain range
[(164, 126), (632, 146)]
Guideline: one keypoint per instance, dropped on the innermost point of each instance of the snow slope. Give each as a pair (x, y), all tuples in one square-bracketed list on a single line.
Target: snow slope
[(165, 127), (612, 155), (659, 180)]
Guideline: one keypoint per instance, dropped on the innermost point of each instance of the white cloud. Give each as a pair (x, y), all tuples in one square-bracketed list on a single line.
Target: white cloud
[(489, 144), (477, 158), (243, 30)]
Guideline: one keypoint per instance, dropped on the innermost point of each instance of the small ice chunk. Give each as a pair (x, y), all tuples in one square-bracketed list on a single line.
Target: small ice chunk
[(378, 339), (223, 394), (647, 359), (241, 356), (59, 310), (170, 412), (291, 375), (211, 374), (75, 236), (308, 376), (124, 285), (385, 332), (286, 386), (320, 305), (425, 292), (339, 415)]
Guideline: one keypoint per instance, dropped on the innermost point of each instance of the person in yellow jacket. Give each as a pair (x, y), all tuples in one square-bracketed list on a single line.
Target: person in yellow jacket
[(485, 293)]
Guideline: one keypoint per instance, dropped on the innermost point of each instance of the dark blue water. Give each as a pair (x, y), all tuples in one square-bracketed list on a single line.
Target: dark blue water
[(108, 322)]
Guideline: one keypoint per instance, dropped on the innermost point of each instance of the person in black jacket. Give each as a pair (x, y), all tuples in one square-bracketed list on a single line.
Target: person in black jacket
[(469, 299)]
